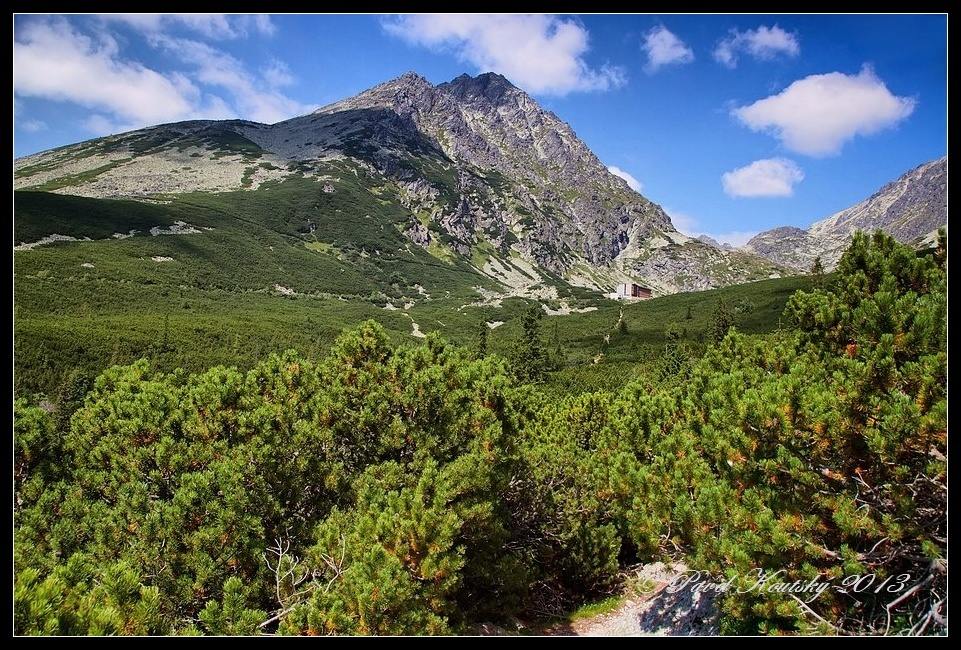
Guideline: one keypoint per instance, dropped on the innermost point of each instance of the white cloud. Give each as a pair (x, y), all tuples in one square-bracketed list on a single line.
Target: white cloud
[(540, 53), (763, 43), (684, 222), (818, 114), (53, 61), (632, 182), (209, 25), (767, 177), (664, 48), (277, 74), (32, 126), (100, 125), (691, 227), (263, 24), (214, 67)]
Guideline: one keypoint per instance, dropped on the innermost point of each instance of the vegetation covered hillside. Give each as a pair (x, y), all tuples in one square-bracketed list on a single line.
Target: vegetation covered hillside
[(423, 489), (473, 171), (228, 278)]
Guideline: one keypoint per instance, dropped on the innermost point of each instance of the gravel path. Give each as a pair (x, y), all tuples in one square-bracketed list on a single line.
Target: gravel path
[(657, 613), (415, 328)]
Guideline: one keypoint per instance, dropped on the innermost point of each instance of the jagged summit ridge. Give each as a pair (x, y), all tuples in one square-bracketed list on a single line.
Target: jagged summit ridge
[(484, 122), (490, 85)]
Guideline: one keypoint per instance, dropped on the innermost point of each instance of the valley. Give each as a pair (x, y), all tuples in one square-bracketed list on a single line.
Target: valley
[(427, 208), (357, 372), (216, 299)]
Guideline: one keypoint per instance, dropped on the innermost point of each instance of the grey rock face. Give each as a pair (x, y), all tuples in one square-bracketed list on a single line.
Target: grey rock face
[(692, 265), (524, 174), (418, 234), (908, 209), (485, 123), (789, 246), (710, 241)]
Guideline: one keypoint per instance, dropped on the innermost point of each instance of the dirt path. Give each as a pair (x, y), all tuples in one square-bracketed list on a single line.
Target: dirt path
[(415, 328), (654, 613)]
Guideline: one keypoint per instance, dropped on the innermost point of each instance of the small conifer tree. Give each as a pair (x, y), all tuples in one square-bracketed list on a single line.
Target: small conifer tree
[(817, 272), (530, 359), (722, 319), (483, 332)]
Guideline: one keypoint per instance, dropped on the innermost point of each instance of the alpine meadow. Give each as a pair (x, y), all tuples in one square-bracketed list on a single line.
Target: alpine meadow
[(417, 362)]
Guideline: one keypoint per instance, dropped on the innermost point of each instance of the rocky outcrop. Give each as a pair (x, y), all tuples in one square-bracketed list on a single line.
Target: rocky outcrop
[(909, 209)]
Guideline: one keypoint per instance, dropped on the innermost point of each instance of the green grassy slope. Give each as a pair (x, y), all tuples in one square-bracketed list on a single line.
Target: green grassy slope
[(220, 299)]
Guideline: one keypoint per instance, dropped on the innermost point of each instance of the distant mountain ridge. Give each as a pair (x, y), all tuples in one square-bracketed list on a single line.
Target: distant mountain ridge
[(909, 208), (483, 171)]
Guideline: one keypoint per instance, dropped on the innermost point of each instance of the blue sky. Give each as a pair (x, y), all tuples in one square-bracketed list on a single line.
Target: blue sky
[(733, 123)]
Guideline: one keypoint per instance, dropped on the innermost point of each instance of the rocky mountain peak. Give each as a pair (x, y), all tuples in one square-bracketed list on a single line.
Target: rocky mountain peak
[(410, 81), (710, 241), (780, 231), (404, 94), (489, 85), (410, 77)]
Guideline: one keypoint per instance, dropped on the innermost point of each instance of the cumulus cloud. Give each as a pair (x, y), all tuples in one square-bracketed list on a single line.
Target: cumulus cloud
[(214, 67), (763, 43), (816, 115), (767, 177), (214, 26), (632, 182), (664, 48), (540, 53), (54, 60), (692, 227), (51, 60)]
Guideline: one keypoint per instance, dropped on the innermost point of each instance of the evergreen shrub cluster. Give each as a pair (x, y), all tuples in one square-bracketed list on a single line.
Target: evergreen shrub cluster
[(421, 490)]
